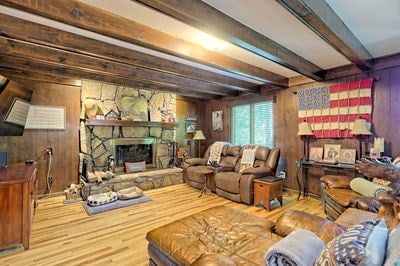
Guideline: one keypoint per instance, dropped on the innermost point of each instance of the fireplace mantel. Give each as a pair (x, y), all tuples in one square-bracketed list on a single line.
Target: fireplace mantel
[(129, 123)]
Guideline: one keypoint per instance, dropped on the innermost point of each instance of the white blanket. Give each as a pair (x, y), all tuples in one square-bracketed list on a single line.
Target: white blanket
[(299, 248), (215, 152), (248, 157)]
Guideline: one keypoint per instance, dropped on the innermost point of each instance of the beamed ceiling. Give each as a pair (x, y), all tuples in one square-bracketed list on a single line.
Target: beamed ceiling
[(153, 44)]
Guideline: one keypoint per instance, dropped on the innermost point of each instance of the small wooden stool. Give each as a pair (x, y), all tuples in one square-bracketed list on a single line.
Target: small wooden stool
[(265, 191)]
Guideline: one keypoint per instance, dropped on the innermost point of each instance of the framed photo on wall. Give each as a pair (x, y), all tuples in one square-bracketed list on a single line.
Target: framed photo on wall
[(217, 121), (332, 152), (191, 124), (347, 156)]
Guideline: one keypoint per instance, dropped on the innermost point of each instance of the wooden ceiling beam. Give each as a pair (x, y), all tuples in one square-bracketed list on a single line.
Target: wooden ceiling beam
[(59, 70), (69, 59), (208, 19), (40, 34), (87, 17), (319, 17), (33, 75)]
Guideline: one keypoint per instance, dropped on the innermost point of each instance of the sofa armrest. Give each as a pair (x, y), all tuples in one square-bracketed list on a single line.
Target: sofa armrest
[(258, 171), (365, 203), (293, 220), (196, 161), (335, 181)]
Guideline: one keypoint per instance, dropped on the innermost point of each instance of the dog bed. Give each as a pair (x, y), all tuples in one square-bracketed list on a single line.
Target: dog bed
[(102, 198), (129, 193)]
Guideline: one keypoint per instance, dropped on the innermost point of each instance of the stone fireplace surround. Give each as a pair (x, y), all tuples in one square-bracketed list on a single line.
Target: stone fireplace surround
[(135, 105)]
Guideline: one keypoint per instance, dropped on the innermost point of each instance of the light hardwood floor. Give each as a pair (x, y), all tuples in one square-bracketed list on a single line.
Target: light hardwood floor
[(63, 234)]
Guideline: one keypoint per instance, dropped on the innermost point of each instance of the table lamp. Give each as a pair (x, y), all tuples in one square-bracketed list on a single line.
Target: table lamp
[(199, 136), (359, 130), (304, 132)]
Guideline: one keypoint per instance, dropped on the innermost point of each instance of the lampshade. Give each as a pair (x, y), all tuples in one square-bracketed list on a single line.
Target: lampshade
[(305, 129), (360, 127), (199, 135)]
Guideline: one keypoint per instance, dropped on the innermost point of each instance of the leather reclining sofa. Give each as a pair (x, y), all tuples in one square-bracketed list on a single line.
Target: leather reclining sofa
[(226, 180)]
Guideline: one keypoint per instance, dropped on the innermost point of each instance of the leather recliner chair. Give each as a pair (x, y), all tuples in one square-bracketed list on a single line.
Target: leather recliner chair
[(337, 196), (238, 186)]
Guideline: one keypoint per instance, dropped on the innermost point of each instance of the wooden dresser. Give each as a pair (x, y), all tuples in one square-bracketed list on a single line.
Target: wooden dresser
[(17, 203)]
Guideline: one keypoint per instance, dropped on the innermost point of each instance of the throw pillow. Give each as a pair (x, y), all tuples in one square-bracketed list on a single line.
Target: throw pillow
[(393, 248), (366, 188), (361, 244), (135, 167)]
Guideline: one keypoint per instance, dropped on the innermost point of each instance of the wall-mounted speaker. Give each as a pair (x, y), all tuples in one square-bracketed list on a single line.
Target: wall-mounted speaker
[(3, 159)]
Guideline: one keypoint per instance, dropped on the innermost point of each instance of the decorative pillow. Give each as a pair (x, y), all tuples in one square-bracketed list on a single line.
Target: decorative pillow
[(393, 248), (361, 244), (366, 188), (135, 167)]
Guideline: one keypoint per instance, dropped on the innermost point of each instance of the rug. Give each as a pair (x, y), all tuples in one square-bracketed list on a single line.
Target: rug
[(113, 205)]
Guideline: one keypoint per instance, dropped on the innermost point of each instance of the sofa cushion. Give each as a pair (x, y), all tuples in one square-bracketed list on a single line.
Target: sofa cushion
[(336, 181), (228, 181), (361, 244), (341, 196), (196, 173), (366, 188), (293, 220)]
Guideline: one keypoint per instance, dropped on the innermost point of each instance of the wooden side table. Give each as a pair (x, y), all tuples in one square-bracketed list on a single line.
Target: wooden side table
[(265, 191), (206, 172)]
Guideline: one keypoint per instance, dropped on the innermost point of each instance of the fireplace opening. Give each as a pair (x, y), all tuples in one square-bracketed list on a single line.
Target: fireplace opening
[(133, 150)]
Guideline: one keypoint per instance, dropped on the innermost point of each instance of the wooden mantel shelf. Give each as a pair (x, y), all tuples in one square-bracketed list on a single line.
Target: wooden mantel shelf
[(129, 123)]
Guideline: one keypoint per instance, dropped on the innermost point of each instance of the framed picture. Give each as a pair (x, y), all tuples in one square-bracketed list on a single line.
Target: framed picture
[(347, 156), (332, 152), (316, 153), (191, 124), (374, 153), (217, 121)]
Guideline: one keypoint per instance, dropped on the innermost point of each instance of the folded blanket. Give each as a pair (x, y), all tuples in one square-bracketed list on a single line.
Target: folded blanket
[(248, 157), (215, 152), (301, 247)]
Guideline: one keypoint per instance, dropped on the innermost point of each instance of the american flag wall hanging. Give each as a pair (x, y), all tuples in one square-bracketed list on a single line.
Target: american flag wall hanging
[(332, 110)]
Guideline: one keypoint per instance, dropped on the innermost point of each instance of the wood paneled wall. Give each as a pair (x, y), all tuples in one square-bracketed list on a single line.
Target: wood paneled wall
[(64, 163), (386, 121), (65, 144)]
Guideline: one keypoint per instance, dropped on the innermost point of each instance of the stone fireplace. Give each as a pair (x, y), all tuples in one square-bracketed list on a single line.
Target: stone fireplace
[(115, 105)]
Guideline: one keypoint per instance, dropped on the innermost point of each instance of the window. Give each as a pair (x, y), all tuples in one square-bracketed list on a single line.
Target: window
[(253, 124)]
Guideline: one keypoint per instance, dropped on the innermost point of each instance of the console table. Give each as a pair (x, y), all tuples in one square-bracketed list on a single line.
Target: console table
[(305, 164), (17, 203)]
